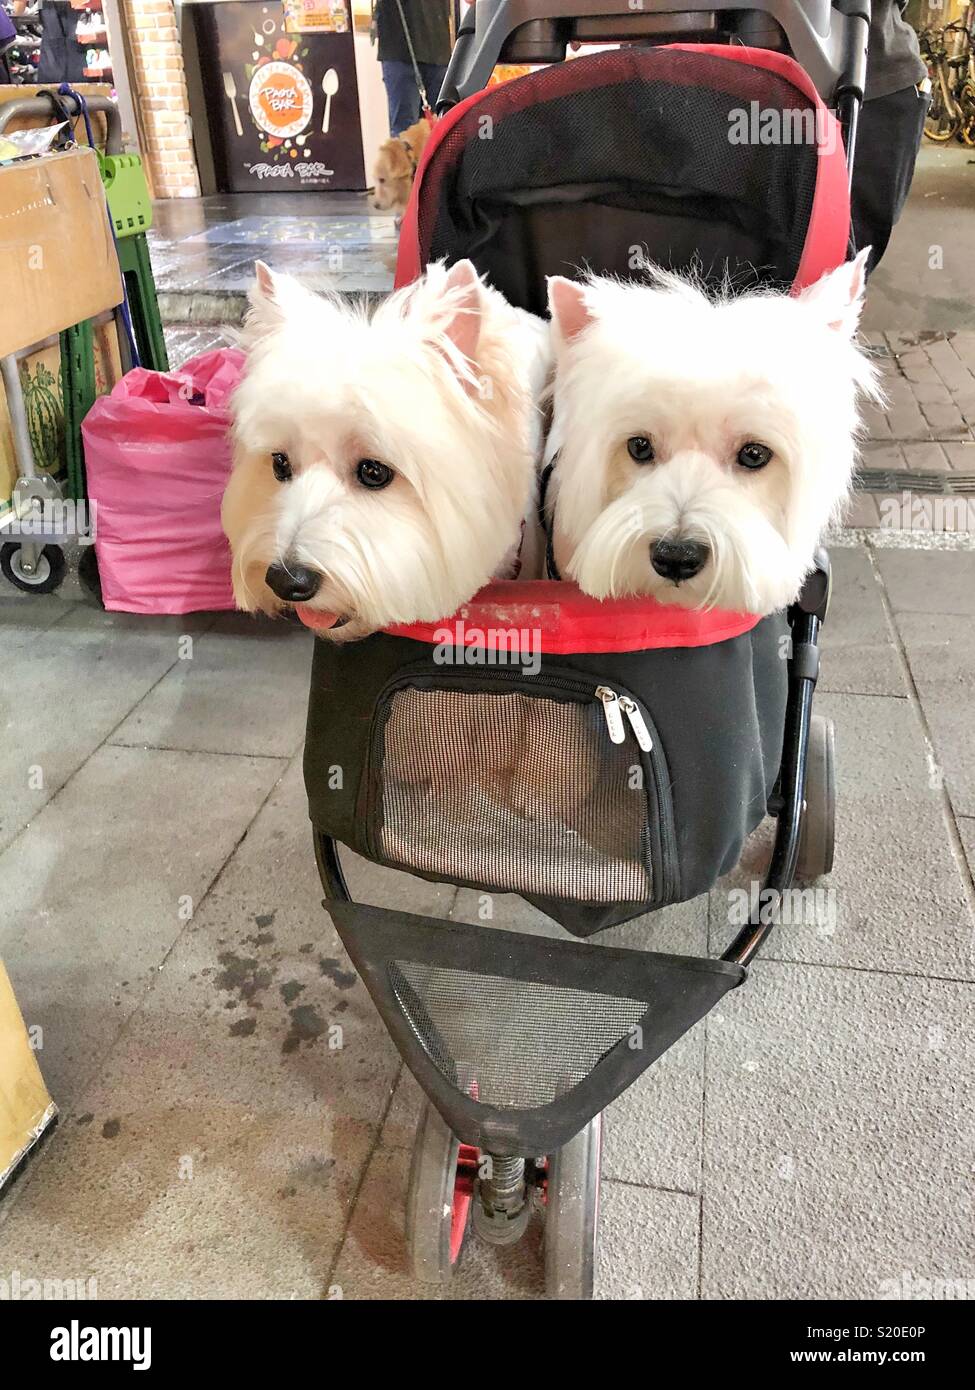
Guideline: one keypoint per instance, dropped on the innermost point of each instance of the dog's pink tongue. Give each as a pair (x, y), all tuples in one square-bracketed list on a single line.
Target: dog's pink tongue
[(315, 618)]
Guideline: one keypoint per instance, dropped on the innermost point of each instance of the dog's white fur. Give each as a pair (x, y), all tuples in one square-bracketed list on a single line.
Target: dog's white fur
[(441, 384), (700, 377)]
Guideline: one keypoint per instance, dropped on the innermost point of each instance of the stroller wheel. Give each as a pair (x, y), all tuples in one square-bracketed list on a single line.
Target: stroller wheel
[(816, 835), (572, 1215), (438, 1205)]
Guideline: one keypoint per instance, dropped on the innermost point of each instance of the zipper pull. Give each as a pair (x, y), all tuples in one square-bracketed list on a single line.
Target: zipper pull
[(637, 722), (611, 709)]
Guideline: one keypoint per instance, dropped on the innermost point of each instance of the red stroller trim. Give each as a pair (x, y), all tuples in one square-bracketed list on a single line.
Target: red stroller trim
[(827, 234), (561, 620)]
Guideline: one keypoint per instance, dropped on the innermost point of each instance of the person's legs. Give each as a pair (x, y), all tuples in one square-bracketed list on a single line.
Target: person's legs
[(888, 138), (54, 43), (433, 77), (402, 96), (75, 65)]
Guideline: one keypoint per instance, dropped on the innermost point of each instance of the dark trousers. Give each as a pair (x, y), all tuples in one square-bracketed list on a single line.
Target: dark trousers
[(403, 96), (62, 57), (888, 138)]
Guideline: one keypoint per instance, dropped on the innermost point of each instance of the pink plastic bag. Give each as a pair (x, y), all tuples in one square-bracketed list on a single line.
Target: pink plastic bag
[(157, 457)]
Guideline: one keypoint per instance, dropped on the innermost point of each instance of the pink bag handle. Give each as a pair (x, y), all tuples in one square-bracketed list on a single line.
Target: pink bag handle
[(205, 381)]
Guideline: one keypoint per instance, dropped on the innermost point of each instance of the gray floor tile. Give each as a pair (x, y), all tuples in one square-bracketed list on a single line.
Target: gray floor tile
[(648, 1244), (93, 895), (942, 660), (966, 827), (857, 653), (229, 1127), (929, 581), (62, 694), (233, 694), (24, 616), (894, 900), (837, 1134), (652, 1133)]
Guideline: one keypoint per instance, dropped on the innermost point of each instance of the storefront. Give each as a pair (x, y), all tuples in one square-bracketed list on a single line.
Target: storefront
[(284, 95), (70, 44)]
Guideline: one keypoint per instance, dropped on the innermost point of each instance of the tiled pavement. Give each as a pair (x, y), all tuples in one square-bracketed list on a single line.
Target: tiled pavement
[(161, 923), (203, 249)]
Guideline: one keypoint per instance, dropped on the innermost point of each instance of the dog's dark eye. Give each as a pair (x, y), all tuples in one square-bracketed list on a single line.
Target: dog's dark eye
[(372, 473), (640, 449), (754, 455), (281, 465)]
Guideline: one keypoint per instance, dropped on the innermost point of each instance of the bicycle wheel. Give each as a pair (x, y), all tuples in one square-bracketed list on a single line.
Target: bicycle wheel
[(940, 124)]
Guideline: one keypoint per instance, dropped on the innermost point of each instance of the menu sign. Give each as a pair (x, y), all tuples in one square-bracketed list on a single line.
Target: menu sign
[(283, 107)]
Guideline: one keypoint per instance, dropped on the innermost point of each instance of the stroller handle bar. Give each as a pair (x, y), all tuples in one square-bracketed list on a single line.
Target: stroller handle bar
[(828, 39)]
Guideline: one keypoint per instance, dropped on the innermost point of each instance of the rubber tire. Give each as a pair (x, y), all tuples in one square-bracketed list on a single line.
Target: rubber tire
[(966, 101), (572, 1215), (433, 1171), (817, 831), (51, 563), (933, 130)]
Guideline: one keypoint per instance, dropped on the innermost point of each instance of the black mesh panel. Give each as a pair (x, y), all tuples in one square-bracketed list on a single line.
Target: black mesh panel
[(584, 164), (515, 792), (514, 1044)]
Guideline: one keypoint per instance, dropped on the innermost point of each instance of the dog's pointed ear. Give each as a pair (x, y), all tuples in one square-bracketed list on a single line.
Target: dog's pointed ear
[(568, 305), (266, 298), (463, 323), (272, 297), (839, 294)]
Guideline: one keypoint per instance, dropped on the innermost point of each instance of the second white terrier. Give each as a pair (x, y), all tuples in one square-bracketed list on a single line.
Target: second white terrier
[(384, 467), (702, 445)]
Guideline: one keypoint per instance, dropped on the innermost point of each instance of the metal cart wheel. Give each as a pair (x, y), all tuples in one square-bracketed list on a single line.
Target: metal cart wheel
[(817, 831), (46, 574), (572, 1215), (438, 1204)]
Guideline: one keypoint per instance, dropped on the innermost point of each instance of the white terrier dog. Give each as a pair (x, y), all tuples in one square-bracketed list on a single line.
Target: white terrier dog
[(383, 467), (701, 446)]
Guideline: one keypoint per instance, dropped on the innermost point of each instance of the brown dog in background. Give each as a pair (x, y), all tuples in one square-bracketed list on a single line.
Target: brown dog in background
[(396, 166)]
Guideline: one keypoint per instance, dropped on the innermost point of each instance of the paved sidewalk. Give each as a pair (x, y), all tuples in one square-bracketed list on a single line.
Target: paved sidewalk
[(811, 1140)]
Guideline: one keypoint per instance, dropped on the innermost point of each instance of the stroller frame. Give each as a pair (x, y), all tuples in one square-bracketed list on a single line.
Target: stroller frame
[(472, 1157)]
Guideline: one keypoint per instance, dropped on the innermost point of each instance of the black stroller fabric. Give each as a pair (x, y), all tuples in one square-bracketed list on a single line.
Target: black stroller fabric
[(509, 778), (623, 151)]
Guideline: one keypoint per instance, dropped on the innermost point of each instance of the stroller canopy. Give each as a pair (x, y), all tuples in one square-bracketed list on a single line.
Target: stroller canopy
[(709, 156)]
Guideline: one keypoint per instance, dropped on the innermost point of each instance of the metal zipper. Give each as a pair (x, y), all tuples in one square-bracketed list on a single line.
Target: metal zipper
[(637, 722), (614, 707), (611, 709)]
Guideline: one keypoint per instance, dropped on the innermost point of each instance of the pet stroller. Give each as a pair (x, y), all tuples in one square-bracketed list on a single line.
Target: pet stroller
[(620, 767)]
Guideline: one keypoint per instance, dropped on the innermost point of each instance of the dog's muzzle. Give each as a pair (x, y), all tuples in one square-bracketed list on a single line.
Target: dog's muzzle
[(294, 584), (678, 560)]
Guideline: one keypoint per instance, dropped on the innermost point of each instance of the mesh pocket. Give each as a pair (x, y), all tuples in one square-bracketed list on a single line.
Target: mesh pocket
[(515, 1044), (514, 792)]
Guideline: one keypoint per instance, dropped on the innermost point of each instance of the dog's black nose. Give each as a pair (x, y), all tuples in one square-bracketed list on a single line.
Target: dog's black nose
[(293, 583), (678, 560)]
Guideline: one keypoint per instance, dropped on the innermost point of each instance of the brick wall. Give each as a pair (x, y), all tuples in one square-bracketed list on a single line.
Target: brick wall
[(161, 97)]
